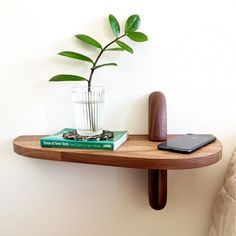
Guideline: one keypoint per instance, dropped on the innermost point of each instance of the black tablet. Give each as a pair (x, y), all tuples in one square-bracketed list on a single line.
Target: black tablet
[(187, 143)]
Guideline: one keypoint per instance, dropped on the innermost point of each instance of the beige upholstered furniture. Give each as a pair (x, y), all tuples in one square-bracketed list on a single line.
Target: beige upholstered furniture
[(224, 211)]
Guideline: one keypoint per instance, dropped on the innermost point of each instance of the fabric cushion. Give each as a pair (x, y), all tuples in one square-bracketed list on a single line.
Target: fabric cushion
[(224, 211)]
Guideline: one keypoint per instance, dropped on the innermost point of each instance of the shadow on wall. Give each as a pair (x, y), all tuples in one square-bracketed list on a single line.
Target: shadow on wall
[(137, 182), (131, 115)]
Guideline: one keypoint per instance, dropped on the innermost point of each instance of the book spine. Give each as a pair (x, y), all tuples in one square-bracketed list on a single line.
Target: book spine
[(65, 144)]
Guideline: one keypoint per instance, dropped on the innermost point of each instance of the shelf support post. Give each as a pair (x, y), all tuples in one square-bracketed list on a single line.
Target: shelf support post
[(157, 188)]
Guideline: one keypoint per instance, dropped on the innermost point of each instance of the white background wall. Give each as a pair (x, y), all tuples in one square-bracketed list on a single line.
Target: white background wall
[(190, 56)]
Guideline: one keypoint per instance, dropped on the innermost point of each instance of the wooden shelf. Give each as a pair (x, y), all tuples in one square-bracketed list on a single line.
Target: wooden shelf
[(136, 152)]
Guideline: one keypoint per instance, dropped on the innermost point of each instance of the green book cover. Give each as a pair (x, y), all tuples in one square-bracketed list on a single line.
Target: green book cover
[(57, 141)]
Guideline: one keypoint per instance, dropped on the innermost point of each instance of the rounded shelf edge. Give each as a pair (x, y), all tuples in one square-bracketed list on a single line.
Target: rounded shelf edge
[(137, 152)]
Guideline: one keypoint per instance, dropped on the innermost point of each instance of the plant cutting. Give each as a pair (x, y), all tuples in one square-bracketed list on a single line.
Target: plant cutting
[(90, 100)]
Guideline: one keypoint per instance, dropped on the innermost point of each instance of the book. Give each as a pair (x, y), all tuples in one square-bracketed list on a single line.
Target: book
[(57, 141)]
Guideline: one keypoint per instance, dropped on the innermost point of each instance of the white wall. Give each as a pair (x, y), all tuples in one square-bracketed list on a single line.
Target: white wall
[(190, 56)]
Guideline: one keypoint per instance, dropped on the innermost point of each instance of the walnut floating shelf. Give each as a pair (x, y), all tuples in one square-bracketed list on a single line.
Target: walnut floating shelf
[(136, 152)]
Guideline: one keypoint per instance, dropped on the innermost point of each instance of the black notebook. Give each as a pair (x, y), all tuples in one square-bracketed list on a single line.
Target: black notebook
[(187, 143)]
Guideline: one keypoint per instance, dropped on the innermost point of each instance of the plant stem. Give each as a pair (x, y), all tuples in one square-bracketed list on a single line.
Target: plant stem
[(98, 57), (90, 113)]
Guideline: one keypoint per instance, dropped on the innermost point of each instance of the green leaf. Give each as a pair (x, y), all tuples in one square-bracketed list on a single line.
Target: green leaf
[(107, 64), (59, 78), (132, 24), (114, 25), (137, 36), (75, 55), (125, 46), (89, 40), (114, 49)]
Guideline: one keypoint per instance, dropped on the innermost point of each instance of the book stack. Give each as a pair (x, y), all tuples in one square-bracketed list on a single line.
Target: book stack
[(58, 141)]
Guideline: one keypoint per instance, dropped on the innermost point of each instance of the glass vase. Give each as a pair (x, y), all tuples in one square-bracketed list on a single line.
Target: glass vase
[(88, 110)]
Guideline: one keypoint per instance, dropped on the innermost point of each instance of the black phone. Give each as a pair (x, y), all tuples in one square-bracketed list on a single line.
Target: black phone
[(187, 143)]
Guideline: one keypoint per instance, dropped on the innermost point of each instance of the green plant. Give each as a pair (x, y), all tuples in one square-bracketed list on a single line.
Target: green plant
[(131, 27)]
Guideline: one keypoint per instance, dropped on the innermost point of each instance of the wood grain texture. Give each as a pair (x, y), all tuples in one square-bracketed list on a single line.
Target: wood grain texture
[(157, 188), (157, 117), (136, 152)]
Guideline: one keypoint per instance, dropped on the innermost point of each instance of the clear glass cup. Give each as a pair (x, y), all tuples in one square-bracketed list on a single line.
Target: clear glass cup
[(88, 110)]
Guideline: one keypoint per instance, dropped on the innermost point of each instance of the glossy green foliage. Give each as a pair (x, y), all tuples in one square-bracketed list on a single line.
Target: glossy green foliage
[(125, 46), (114, 25), (59, 78), (137, 36), (89, 40), (130, 31), (132, 24), (75, 55), (115, 49), (106, 64)]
